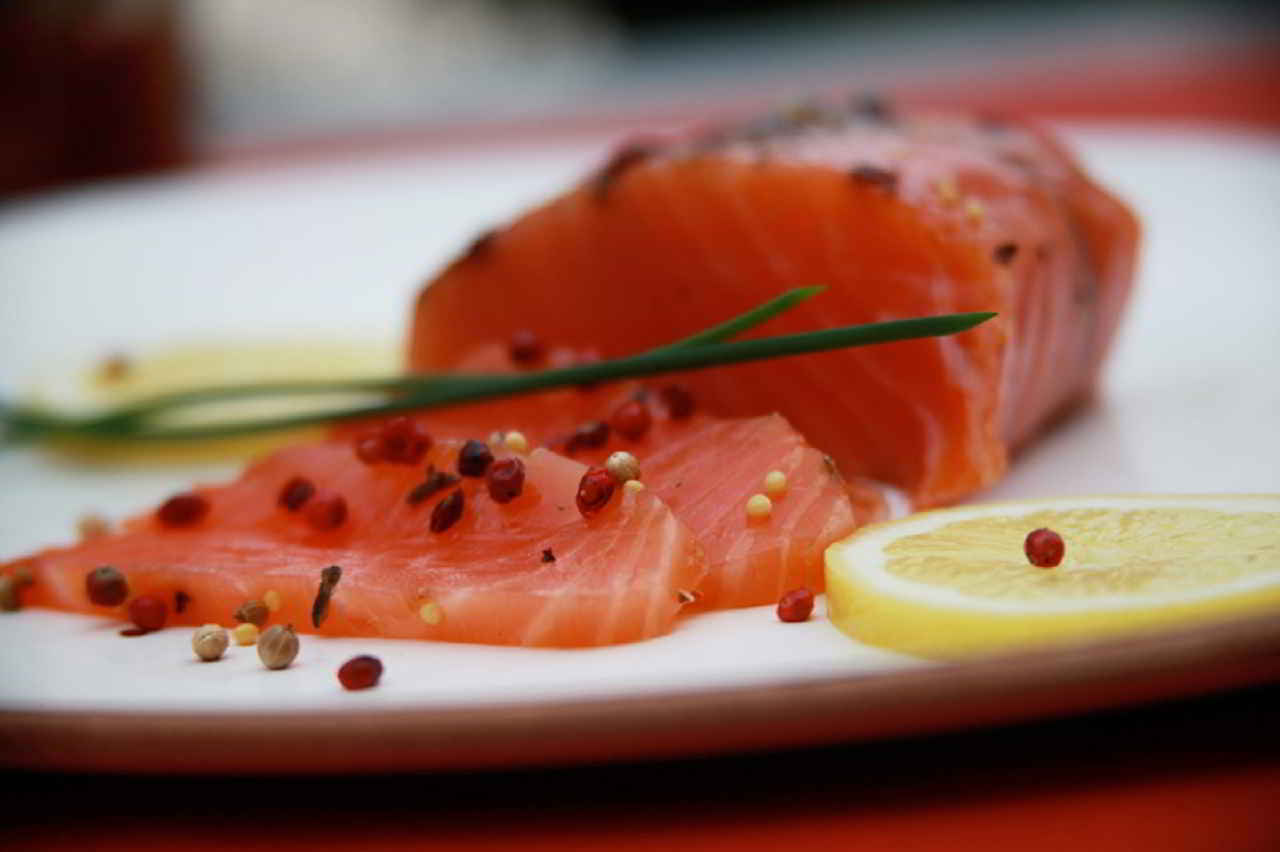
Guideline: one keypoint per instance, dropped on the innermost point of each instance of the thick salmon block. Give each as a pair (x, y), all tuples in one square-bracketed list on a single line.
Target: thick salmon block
[(899, 213)]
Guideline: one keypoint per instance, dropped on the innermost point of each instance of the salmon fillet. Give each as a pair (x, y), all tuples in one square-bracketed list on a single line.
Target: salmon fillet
[(898, 212)]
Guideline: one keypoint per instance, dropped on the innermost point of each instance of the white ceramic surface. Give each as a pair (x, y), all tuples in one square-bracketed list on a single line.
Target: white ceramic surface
[(1191, 402)]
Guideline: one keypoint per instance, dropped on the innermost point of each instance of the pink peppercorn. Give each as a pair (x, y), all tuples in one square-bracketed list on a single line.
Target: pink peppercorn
[(1044, 548), (795, 605)]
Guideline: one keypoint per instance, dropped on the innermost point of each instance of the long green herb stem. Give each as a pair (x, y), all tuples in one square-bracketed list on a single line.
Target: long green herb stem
[(709, 348)]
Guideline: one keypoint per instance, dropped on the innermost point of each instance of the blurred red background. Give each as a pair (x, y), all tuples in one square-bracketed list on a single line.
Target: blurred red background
[(99, 88)]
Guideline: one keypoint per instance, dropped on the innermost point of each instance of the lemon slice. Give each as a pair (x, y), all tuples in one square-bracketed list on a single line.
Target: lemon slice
[(957, 582), (119, 380)]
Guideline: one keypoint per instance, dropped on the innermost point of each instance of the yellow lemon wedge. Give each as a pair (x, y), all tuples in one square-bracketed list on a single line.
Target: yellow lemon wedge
[(957, 582), (122, 379)]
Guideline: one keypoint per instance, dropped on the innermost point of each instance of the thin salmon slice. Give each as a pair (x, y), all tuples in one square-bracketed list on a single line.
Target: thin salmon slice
[(533, 571), (705, 468), (898, 212)]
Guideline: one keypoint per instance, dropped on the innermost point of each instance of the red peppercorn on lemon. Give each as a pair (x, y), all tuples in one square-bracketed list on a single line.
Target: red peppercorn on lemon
[(705, 468), (957, 582), (899, 213), (614, 577)]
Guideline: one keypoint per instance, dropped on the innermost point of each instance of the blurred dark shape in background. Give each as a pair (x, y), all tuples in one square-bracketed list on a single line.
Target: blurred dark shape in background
[(96, 88), (89, 89)]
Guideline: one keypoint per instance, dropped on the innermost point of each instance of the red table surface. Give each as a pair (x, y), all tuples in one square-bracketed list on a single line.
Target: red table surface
[(1197, 775), (1194, 775)]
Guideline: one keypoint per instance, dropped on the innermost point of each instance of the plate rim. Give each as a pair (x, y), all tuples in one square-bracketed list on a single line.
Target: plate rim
[(785, 713)]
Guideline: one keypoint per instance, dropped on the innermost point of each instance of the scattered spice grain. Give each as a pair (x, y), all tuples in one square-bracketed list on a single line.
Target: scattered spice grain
[(245, 633), (1004, 253), (631, 420), (594, 491), (148, 612), (295, 493), (624, 466), (474, 458), (447, 512), (505, 480), (210, 642), (255, 612), (1044, 548), (678, 401), (525, 348), (278, 647), (329, 578), (182, 510), (795, 605), (106, 586), (875, 176), (759, 507), (362, 672)]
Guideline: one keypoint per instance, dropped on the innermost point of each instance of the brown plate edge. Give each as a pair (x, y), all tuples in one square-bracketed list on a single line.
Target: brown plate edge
[(802, 712)]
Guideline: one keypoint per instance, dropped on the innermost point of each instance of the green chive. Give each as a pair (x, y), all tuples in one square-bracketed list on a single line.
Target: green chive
[(708, 348)]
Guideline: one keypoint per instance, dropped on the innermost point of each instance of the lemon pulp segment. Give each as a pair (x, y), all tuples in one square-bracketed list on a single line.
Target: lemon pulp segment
[(956, 582)]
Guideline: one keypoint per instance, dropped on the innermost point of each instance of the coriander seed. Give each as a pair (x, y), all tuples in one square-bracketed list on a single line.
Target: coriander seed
[(210, 642), (278, 647)]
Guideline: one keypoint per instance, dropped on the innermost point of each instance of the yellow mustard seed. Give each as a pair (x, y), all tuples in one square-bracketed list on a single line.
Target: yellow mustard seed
[(775, 484), (516, 442), (634, 486), (272, 599), (245, 633), (431, 613), (624, 466), (759, 507), (974, 210)]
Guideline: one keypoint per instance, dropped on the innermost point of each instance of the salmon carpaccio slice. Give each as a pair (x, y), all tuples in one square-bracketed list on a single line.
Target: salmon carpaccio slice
[(898, 212), (705, 468), (615, 577)]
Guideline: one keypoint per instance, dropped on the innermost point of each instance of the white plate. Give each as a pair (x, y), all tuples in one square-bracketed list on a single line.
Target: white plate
[(1191, 404)]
